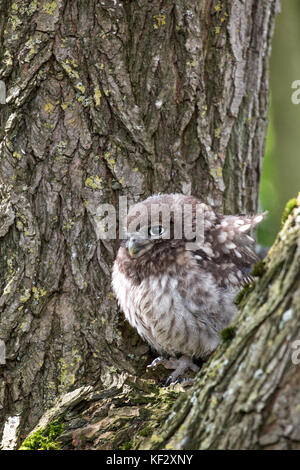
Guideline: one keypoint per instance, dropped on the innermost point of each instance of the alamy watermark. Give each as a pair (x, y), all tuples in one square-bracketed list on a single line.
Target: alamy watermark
[(2, 92), (296, 353), (2, 352), (295, 97), (151, 221)]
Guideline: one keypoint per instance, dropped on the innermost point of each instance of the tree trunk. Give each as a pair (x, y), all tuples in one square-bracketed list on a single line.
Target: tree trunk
[(245, 397), (108, 99)]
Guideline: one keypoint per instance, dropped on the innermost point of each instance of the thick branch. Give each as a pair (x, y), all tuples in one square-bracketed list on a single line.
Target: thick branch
[(245, 397)]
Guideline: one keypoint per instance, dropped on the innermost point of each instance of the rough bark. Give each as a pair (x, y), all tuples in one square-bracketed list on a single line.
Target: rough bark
[(107, 99), (245, 397)]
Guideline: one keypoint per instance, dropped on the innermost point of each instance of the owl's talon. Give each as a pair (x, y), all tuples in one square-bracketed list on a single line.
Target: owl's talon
[(179, 365), (184, 381), (156, 362), (169, 381)]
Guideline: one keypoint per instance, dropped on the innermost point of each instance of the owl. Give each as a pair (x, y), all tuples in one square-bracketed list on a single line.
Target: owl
[(177, 273)]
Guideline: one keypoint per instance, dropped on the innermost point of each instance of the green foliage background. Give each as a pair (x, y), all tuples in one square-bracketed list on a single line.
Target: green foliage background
[(281, 167)]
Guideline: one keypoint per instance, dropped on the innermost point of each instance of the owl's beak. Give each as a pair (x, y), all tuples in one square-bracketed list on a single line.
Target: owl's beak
[(137, 246)]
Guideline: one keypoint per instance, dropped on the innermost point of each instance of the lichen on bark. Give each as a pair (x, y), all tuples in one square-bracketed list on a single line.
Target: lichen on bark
[(235, 400), (109, 99)]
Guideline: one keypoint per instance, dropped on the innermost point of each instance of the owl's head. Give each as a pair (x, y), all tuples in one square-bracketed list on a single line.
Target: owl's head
[(165, 231), (171, 217)]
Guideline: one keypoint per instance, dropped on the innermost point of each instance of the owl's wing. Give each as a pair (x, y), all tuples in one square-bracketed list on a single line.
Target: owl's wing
[(229, 251), (230, 236)]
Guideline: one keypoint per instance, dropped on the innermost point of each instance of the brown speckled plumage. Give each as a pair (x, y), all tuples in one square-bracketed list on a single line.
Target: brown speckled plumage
[(179, 299)]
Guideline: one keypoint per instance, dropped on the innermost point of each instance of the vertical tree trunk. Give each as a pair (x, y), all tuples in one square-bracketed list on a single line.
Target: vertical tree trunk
[(107, 99)]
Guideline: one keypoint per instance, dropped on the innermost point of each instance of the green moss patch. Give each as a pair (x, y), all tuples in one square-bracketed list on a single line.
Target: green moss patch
[(291, 204), (228, 333), (45, 438), (259, 269), (244, 293)]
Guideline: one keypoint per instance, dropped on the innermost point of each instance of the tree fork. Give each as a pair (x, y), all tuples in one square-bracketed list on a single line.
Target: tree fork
[(245, 397), (103, 100)]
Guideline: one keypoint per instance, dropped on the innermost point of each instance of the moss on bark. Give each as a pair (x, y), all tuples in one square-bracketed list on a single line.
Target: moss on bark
[(236, 401), (109, 99)]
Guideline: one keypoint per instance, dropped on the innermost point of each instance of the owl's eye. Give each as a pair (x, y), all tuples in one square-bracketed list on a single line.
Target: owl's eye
[(156, 231)]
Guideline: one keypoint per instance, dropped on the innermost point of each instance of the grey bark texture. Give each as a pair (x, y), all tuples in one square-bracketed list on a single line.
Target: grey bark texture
[(107, 99), (245, 397)]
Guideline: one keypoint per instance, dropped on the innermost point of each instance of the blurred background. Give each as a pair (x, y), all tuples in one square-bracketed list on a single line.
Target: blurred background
[(281, 167)]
